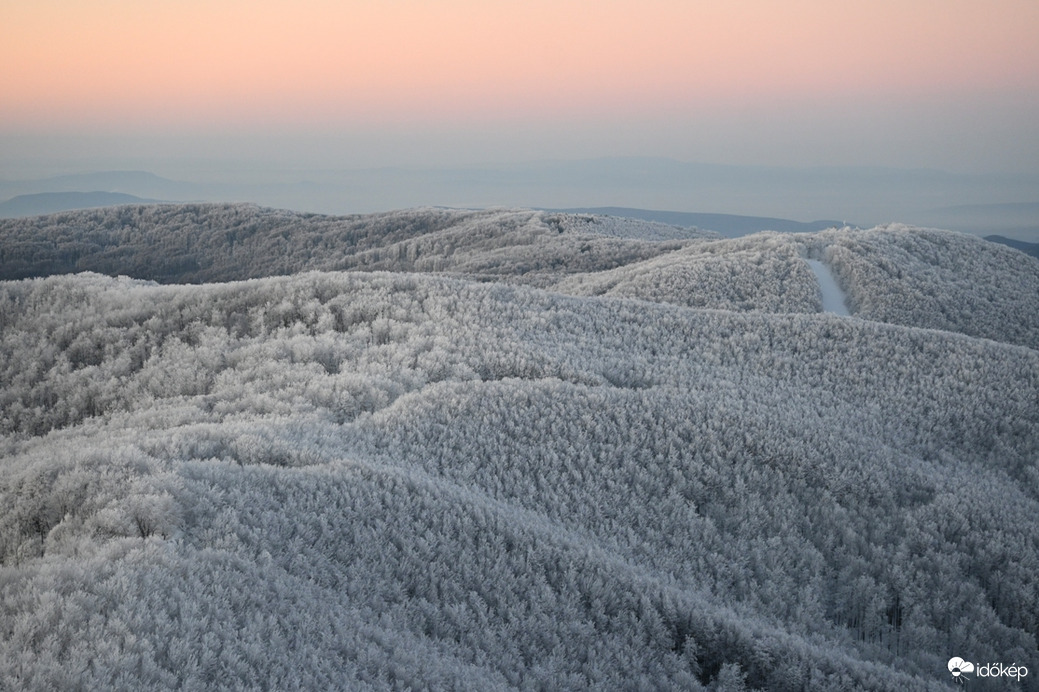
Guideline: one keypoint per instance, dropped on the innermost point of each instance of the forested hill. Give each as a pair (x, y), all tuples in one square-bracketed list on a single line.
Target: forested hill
[(511, 450), (382, 481), (196, 243), (897, 274)]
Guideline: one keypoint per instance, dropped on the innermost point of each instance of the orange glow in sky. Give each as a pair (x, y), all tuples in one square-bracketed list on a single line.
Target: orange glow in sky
[(86, 64)]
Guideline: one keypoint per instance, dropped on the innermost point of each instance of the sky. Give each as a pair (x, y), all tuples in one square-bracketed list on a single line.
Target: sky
[(182, 87)]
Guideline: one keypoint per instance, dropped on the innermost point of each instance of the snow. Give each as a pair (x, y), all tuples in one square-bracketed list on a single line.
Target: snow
[(833, 297)]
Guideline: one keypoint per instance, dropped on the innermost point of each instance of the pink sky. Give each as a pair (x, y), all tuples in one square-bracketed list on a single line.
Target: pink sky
[(111, 63), (214, 66)]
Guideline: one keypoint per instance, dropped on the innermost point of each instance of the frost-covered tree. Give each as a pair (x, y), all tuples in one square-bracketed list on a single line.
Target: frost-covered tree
[(382, 480)]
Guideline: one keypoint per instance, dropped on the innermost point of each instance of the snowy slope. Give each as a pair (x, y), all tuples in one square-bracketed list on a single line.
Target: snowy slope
[(896, 274), (936, 279), (382, 480), (833, 297)]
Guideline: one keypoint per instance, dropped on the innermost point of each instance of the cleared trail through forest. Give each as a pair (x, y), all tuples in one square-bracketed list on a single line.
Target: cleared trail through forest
[(833, 297)]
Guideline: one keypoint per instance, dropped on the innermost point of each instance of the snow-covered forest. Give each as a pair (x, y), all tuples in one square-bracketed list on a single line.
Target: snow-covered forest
[(510, 449)]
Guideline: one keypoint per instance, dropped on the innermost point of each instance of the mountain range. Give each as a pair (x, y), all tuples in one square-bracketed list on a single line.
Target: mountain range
[(50, 202), (863, 196)]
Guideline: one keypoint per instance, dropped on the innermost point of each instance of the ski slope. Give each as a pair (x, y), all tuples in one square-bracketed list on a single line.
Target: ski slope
[(834, 299)]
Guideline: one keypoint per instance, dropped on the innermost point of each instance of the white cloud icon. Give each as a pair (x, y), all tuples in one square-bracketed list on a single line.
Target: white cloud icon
[(957, 666)]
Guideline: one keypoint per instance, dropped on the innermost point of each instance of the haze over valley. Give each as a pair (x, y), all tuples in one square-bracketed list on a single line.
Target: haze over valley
[(625, 186)]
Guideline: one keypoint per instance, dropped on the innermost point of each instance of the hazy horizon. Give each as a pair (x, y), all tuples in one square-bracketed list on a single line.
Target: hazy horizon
[(271, 97)]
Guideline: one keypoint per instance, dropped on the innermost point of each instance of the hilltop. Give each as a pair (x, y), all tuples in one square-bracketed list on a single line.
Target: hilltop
[(894, 273), (195, 243)]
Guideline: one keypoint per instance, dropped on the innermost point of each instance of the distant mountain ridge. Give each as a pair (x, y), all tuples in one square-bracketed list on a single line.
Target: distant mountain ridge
[(861, 195), (51, 202), (1027, 248)]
